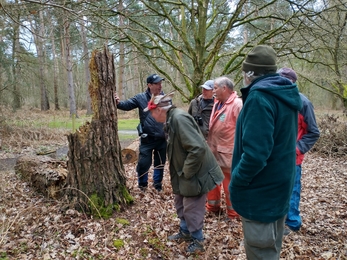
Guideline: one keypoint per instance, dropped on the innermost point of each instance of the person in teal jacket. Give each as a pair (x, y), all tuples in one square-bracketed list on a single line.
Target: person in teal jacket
[(194, 170), (263, 164)]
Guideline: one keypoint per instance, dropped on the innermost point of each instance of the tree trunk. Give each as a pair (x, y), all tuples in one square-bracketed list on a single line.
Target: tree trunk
[(121, 56), (55, 75), (86, 67), (41, 56), (71, 89), (94, 165), (16, 65)]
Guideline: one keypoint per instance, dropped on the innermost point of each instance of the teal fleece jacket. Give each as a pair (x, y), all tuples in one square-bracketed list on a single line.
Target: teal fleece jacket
[(263, 164)]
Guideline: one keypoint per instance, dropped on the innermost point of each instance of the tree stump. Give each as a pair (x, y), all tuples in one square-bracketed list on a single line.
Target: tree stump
[(96, 180), (45, 175), (130, 154)]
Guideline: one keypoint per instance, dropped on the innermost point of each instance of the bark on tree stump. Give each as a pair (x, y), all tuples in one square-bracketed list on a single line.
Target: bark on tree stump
[(130, 154), (96, 173), (45, 175)]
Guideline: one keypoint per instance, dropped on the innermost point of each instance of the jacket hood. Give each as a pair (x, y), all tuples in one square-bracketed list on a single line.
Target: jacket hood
[(279, 87)]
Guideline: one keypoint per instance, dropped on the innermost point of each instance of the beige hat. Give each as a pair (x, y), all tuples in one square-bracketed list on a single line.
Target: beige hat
[(160, 101)]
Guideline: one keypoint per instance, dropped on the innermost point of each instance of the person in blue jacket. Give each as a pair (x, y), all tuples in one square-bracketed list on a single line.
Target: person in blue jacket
[(308, 134), (152, 141), (263, 164)]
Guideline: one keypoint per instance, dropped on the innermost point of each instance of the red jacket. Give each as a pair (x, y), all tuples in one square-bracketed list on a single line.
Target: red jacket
[(308, 132)]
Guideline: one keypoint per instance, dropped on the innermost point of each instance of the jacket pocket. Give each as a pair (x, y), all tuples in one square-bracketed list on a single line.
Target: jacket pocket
[(189, 187), (224, 156), (236, 180)]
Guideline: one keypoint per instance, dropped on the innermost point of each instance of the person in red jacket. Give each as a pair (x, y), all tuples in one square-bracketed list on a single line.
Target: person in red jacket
[(308, 134), (221, 140)]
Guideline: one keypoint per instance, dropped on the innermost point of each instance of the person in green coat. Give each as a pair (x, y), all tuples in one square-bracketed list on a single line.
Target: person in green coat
[(263, 164), (194, 170)]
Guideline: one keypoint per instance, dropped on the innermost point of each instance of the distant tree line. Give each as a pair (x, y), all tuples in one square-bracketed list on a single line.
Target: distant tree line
[(45, 46)]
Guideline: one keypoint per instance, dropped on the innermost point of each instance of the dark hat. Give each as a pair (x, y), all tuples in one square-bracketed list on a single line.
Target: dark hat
[(288, 73), (208, 85), (261, 60), (154, 78)]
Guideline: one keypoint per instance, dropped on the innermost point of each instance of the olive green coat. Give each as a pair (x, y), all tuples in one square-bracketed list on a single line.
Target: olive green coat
[(193, 168)]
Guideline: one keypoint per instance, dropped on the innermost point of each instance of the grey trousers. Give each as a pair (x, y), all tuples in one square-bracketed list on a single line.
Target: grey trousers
[(263, 240), (191, 211)]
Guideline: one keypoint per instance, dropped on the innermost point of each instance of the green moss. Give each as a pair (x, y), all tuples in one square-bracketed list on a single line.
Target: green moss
[(128, 198), (156, 243), (116, 207), (144, 252), (122, 221), (3, 256), (98, 209), (118, 243)]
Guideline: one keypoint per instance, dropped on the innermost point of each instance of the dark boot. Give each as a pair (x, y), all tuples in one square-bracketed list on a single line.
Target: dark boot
[(180, 236), (196, 246)]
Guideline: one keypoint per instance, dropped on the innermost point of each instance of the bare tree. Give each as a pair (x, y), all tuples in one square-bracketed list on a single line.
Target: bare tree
[(317, 48), (191, 41), (39, 36), (199, 39), (16, 67), (69, 64), (86, 66), (55, 73), (121, 64)]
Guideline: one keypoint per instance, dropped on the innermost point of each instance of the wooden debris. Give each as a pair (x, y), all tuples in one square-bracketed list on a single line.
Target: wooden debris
[(130, 154), (45, 175)]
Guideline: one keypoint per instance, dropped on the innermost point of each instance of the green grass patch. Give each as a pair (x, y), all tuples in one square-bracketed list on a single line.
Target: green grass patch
[(123, 124), (128, 124), (67, 123), (127, 137), (63, 122)]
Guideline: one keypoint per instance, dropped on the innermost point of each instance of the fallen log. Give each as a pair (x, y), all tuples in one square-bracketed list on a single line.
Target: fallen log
[(45, 175), (130, 154)]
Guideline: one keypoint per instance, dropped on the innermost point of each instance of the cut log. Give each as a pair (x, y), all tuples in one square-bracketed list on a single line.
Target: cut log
[(45, 175), (130, 154)]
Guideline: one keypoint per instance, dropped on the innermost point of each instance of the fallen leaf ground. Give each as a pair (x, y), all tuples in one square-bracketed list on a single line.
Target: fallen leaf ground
[(33, 227)]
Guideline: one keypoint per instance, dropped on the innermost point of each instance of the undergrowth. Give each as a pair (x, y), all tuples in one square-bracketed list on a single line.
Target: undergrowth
[(333, 136)]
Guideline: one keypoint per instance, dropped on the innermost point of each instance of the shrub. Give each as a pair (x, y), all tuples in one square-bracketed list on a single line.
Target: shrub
[(333, 136)]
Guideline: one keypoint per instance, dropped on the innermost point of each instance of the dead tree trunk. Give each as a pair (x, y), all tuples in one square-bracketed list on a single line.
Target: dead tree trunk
[(96, 180)]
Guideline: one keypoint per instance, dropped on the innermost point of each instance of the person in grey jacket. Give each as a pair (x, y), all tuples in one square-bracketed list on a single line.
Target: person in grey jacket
[(201, 107), (194, 170), (152, 141)]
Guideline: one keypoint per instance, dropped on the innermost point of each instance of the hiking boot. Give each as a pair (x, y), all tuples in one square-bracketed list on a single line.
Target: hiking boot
[(143, 188), (158, 186), (180, 236), (196, 246), (288, 230)]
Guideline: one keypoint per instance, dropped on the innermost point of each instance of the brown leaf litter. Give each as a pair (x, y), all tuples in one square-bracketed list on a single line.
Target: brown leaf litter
[(32, 227)]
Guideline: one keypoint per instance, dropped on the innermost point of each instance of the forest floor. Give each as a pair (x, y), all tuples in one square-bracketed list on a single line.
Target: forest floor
[(34, 227)]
